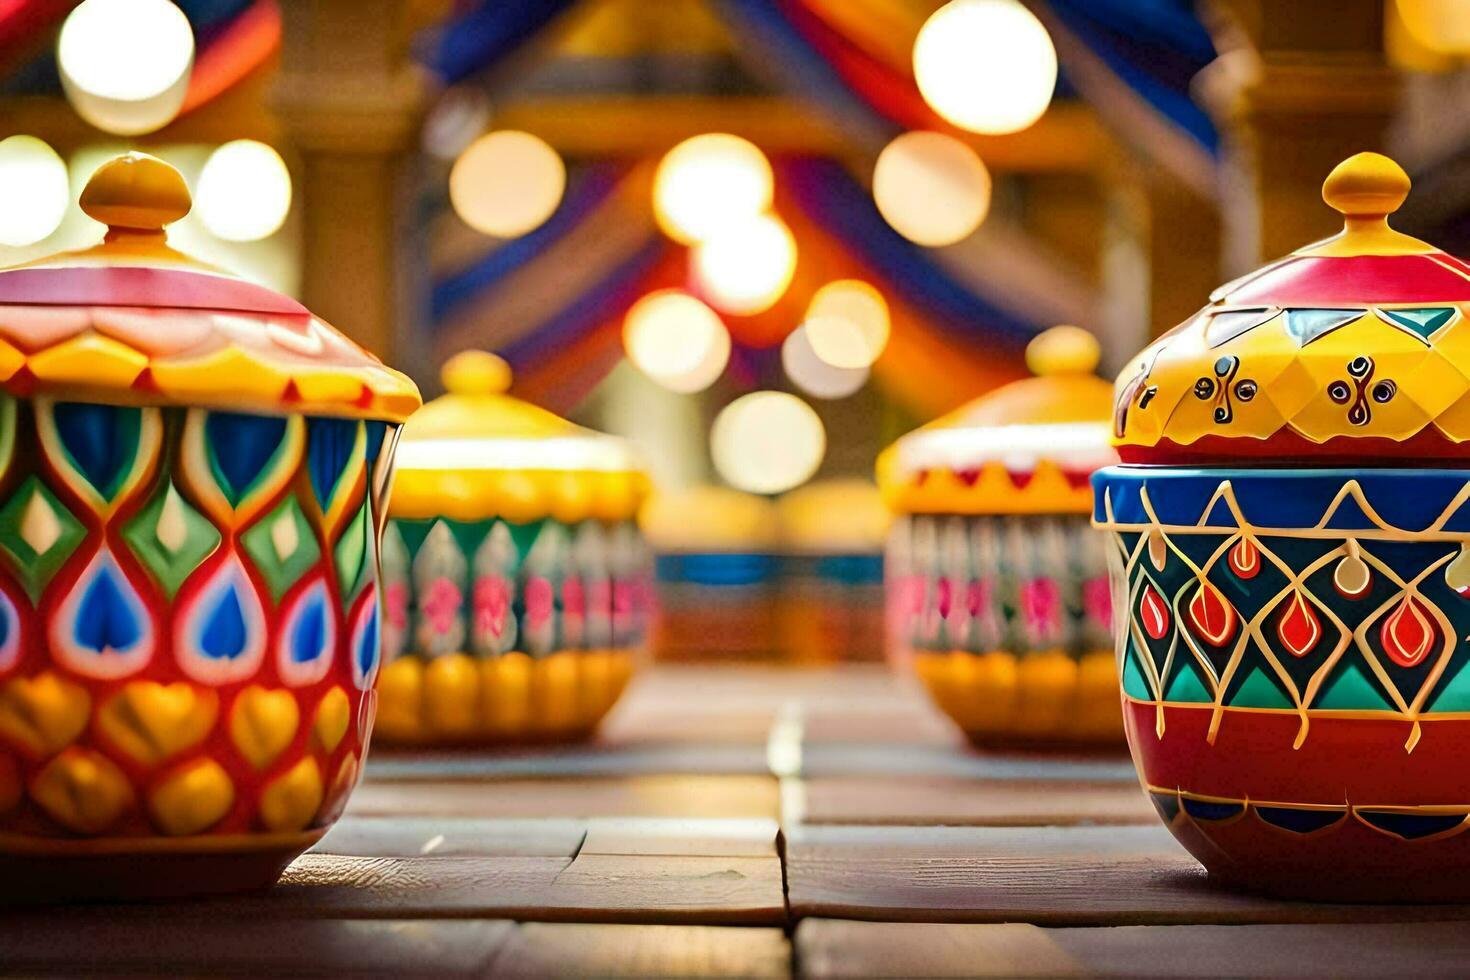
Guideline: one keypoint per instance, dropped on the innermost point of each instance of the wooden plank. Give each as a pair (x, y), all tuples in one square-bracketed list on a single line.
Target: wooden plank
[(833, 948), (661, 888), (929, 800), (860, 758), (1049, 875), (682, 838), (842, 948), (692, 755), (886, 725), (595, 887), (635, 796), (540, 949), (452, 837), (87, 940)]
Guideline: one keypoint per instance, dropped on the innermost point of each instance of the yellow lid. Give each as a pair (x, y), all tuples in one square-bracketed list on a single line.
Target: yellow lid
[(708, 518), (832, 517), (477, 452), (134, 321), (1026, 448), (1362, 335)]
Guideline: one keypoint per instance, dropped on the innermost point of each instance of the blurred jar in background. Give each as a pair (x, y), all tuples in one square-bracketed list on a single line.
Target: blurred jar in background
[(997, 586), (517, 588)]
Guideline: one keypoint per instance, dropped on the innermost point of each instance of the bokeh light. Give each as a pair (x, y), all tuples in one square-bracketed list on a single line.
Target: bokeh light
[(34, 190), (767, 442), (985, 65), (708, 183), (125, 64), (933, 189), (507, 183), (847, 323), (746, 267), (811, 373), (1442, 26), (244, 191), (676, 340)]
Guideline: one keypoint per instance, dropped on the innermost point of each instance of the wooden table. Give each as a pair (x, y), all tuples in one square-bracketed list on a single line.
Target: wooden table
[(746, 821)]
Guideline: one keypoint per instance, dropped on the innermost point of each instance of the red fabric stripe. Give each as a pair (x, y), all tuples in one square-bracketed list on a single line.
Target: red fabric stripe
[(135, 286), (893, 94), (247, 43)]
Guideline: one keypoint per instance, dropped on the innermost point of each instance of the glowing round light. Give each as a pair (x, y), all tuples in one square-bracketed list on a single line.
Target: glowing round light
[(811, 373), (985, 65), (709, 182), (506, 183), (34, 192), (747, 266), (847, 323), (676, 340), (125, 64), (931, 188), (244, 191), (1442, 26), (767, 442)]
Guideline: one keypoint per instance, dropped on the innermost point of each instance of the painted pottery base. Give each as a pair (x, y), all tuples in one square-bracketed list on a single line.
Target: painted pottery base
[(1351, 814), (103, 870), (459, 700), (1039, 700)]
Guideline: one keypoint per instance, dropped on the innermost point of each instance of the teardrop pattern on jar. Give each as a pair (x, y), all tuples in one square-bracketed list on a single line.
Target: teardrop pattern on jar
[(307, 637), (1352, 577), (220, 631), (9, 632), (102, 628), (1212, 617), (1457, 573), (1244, 559), (1299, 628), (1158, 550), (364, 645), (1153, 612), (1408, 634)]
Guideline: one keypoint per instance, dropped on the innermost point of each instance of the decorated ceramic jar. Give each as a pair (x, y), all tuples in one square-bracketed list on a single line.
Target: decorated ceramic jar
[(1290, 541), (997, 587), (517, 587), (718, 574), (192, 477), (830, 599)]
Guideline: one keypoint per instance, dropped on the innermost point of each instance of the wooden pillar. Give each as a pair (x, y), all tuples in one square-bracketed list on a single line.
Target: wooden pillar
[(1183, 233), (1300, 85), (350, 103)]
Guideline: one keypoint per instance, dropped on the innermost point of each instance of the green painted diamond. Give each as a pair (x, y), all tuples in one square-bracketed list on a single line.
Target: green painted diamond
[(282, 546), (171, 538), (352, 553), (38, 534)]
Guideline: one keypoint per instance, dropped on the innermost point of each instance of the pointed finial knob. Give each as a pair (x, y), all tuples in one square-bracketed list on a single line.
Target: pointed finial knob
[(1366, 185), (137, 192), (1063, 350), (475, 372)]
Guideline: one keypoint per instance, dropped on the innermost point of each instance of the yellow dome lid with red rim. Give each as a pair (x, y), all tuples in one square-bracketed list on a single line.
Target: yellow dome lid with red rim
[(477, 453), (134, 321), (1026, 448), (1356, 345)]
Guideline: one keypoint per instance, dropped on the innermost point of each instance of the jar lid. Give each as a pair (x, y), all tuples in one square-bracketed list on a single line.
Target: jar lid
[(1356, 345), (1026, 448), (475, 453), (708, 519), (133, 321)]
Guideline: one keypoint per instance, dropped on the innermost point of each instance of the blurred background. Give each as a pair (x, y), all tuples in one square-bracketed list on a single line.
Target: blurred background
[(760, 238)]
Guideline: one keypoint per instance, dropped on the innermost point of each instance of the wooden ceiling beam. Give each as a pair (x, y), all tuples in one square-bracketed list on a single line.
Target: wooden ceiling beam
[(1068, 139)]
